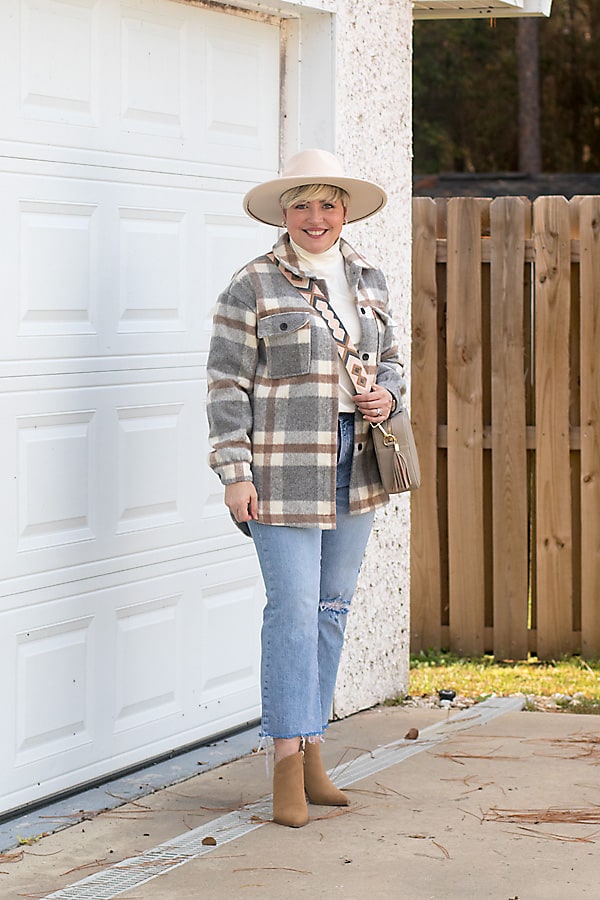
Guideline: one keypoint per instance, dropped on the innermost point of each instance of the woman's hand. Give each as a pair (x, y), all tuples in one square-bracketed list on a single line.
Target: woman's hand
[(376, 406), (241, 500)]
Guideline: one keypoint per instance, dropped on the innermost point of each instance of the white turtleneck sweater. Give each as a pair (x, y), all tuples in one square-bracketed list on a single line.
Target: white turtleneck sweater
[(330, 267)]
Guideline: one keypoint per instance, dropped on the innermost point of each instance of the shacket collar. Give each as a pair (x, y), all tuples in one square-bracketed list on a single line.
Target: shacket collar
[(355, 263)]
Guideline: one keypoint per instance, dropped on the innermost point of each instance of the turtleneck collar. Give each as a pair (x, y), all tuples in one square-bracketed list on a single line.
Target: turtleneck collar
[(318, 263)]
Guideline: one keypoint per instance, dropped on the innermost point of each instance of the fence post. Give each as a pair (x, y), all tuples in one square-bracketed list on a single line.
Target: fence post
[(589, 242), (465, 428), (425, 587), (553, 478), (509, 451)]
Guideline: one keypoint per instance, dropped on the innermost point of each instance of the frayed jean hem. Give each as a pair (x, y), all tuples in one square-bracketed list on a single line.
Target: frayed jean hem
[(286, 737)]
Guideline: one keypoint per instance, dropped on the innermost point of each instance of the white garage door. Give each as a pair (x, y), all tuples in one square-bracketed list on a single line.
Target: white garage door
[(129, 605)]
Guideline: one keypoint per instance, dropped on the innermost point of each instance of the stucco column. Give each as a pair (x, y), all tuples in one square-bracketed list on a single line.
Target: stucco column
[(373, 138)]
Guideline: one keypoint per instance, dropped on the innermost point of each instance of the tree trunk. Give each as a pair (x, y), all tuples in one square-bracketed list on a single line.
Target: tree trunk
[(530, 158)]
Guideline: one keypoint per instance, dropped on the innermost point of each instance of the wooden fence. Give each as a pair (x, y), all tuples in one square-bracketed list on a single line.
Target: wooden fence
[(505, 390)]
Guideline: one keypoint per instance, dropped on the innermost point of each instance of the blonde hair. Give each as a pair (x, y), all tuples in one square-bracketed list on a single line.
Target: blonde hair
[(306, 192)]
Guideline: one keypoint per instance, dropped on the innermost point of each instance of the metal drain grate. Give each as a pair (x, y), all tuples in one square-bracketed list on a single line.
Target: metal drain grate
[(138, 870), (396, 752), (165, 857)]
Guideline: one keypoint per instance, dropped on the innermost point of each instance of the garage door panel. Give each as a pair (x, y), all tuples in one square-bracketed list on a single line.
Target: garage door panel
[(154, 282), (149, 675), (57, 277), (223, 605), (104, 473), (106, 76), (116, 269), (53, 666), (91, 488), (112, 674), (55, 468), (239, 76), (149, 451), (55, 86), (154, 97)]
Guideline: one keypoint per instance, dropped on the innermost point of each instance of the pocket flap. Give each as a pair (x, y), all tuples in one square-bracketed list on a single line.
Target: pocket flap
[(280, 324)]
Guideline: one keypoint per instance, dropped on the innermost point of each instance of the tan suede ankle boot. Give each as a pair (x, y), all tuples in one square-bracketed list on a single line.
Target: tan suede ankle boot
[(317, 784), (289, 801)]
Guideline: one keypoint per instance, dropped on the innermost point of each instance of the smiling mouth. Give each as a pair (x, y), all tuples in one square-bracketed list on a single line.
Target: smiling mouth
[(319, 233)]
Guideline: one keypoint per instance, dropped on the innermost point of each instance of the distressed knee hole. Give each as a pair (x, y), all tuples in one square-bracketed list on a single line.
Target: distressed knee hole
[(336, 605)]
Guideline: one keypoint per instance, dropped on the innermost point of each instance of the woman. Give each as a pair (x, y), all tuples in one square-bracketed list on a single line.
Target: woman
[(290, 405)]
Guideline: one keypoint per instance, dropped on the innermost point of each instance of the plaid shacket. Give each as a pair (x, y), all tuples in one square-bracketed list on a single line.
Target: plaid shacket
[(273, 390)]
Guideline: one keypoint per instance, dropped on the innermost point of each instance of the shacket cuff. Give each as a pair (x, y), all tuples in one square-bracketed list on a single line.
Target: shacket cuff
[(232, 472)]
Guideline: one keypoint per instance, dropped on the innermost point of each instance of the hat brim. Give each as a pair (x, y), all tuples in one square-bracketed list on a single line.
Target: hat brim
[(262, 202)]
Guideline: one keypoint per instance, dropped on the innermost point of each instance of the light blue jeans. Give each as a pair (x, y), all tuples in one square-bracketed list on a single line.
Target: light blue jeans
[(310, 575)]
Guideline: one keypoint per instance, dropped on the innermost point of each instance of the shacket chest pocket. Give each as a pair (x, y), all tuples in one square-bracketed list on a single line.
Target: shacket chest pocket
[(286, 339)]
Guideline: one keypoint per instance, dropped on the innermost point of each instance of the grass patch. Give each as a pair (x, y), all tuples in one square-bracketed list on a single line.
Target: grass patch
[(572, 683)]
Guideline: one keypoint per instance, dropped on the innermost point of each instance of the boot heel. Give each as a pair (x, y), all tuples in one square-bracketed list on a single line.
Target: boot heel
[(318, 786)]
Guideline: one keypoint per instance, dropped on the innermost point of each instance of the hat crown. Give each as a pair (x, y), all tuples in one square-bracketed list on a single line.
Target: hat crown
[(319, 164), (313, 167)]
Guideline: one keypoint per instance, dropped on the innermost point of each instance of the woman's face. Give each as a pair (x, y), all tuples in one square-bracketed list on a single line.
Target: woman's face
[(315, 225)]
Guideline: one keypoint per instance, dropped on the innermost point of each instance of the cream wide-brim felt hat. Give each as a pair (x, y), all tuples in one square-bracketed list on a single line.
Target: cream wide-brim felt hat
[(313, 167)]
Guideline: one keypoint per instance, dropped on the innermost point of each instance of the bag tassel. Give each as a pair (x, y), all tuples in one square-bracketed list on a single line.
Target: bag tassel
[(401, 475)]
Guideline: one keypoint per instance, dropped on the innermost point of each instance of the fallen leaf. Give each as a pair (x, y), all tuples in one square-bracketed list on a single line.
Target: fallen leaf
[(412, 734), (33, 839), (209, 841)]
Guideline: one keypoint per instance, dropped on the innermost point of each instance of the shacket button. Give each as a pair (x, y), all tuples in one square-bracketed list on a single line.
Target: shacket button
[(365, 356), (283, 326)]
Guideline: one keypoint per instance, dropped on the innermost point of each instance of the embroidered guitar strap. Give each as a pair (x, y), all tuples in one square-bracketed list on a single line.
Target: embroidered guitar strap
[(349, 355)]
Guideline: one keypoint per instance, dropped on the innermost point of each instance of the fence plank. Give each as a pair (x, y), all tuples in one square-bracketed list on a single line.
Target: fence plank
[(425, 540), (465, 427), (589, 233), (553, 482), (509, 454), (575, 422)]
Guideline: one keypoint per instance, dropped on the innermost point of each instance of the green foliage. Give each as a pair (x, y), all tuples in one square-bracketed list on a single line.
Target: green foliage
[(466, 92), (464, 95), (570, 86)]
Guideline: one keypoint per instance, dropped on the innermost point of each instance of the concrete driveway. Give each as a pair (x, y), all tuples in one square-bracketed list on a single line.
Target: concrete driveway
[(488, 804)]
